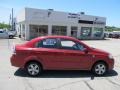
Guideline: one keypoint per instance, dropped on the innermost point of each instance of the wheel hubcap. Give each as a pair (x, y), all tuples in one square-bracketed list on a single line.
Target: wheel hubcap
[(100, 69), (33, 69)]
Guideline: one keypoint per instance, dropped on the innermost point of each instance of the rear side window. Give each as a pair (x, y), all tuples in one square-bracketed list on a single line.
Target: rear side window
[(47, 43)]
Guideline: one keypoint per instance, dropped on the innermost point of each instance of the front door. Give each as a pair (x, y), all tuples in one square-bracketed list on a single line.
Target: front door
[(73, 56)]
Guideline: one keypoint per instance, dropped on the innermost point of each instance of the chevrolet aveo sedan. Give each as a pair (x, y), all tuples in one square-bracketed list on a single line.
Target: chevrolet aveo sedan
[(60, 53)]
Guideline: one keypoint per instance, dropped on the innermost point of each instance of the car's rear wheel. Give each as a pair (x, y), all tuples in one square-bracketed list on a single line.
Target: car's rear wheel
[(11, 36), (99, 69), (34, 69)]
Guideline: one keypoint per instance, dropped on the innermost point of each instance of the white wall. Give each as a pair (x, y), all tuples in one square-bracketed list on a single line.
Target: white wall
[(39, 15), (21, 16)]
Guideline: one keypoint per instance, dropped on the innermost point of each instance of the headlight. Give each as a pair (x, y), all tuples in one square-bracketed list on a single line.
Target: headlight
[(110, 56)]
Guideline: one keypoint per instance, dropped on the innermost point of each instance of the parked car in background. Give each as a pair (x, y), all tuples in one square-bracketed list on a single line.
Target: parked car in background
[(5, 34), (14, 32), (60, 53), (114, 34)]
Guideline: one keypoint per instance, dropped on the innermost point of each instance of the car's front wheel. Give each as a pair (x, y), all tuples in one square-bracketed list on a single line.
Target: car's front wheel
[(34, 69), (99, 69)]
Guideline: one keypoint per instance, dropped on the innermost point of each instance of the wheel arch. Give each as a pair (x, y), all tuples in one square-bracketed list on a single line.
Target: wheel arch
[(33, 60), (102, 61)]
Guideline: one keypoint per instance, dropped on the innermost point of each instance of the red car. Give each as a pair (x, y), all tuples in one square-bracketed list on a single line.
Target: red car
[(60, 53)]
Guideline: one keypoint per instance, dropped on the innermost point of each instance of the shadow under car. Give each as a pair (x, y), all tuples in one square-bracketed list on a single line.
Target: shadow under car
[(65, 74)]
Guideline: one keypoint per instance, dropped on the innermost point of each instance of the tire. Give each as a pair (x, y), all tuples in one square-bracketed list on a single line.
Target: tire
[(100, 69), (19, 36), (33, 69), (11, 36)]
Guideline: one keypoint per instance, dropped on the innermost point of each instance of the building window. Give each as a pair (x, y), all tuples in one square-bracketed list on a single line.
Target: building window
[(74, 31), (86, 31), (42, 30), (59, 30), (38, 30), (98, 32)]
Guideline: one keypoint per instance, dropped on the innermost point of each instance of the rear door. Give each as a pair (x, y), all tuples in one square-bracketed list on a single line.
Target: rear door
[(48, 51)]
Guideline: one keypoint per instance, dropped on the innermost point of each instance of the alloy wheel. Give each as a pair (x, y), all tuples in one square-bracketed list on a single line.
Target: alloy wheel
[(100, 69), (33, 69)]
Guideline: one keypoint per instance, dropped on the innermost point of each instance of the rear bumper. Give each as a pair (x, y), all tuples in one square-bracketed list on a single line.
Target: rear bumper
[(16, 61)]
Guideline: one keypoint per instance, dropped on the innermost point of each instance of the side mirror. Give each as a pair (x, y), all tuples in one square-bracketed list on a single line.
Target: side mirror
[(86, 50)]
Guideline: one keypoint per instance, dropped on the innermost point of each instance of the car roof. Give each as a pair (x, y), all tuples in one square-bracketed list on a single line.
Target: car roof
[(33, 41), (55, 36)]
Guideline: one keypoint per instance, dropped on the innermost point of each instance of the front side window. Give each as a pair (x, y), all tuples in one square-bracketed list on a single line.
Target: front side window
[(71, 45), (47, 43), (81, 47)]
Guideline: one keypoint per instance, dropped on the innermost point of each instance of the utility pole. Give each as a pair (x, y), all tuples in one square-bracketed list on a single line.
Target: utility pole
[(12, 21)]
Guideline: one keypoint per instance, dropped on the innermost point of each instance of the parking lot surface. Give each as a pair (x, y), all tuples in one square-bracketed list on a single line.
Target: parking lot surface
[(12, 78)]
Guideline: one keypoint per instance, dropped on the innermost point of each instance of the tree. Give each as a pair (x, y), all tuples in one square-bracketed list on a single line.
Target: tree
[(111, 28), (3, 25)]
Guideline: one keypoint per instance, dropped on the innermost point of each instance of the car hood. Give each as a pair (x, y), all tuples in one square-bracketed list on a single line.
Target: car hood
[(99, 51)]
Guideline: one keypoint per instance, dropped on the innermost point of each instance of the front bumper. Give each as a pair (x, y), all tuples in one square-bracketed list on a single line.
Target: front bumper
[(111, 64)]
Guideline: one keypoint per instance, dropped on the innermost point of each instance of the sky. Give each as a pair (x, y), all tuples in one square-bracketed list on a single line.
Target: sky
[(105, 8)]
